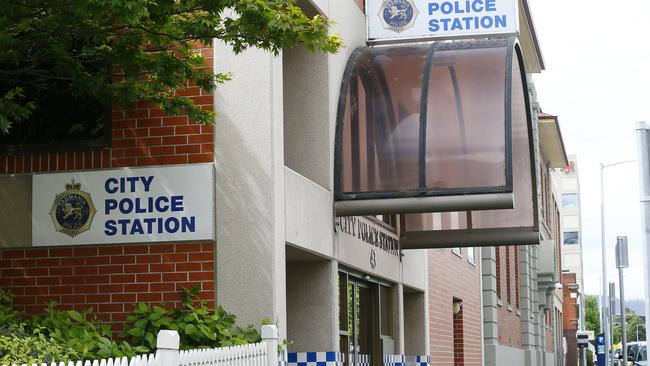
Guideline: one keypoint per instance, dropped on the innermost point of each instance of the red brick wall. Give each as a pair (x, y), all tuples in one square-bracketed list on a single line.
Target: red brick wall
[(451, 276), (509, 324), (569, 305), (142, 136), (108, 279), (459, 349), (509, 318)]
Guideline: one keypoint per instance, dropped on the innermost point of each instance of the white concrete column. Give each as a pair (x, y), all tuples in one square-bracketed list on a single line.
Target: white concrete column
[(249, 155)]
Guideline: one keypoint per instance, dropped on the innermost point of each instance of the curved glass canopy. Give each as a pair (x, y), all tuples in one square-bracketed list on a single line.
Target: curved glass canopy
[(439, 131)]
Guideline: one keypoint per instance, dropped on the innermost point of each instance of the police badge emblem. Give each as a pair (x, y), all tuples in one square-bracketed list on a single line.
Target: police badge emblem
[(398, 15), (73, 210)]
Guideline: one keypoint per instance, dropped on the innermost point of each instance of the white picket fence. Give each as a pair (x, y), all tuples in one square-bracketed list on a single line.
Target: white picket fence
[(264, 353)]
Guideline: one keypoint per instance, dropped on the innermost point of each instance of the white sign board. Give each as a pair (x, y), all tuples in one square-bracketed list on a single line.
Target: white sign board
[(586, 334), (167, 203), (390, 20)]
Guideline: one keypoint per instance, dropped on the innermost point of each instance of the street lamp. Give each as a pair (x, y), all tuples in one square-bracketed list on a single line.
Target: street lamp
[(604, 328)]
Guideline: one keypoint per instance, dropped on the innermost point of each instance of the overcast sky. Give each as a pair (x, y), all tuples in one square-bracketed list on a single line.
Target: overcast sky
[(597, 80)]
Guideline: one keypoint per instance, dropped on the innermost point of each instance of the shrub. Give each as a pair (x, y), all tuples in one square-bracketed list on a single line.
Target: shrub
[(60, 335), (197, 325), (8, 315), (81, 332), (18, 346)]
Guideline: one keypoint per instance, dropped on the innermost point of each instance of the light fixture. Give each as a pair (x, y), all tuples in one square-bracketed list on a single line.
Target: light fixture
[(458, 306)]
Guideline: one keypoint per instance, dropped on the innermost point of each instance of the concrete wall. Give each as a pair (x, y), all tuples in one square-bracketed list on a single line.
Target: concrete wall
[(250, 202), (16, 203), (306, 129), (309, 219), (312, 306), (414, 323)]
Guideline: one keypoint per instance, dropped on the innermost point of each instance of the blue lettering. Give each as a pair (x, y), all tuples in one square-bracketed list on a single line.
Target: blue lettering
[(188, 224), (445, 23), (159, 207), (490, 5), (433, 7), (138, 208), (107, 186), (487, 22), (169, 227), (109, 228), (467, 20), (458, 9), (109, 205), (126, 206), (446, 8), (433, 27), (146, 182), (132, 180), (123, 222), (455, 25), (477, 6), (500, 21), (177, 203), (149, 221), (137, 227)]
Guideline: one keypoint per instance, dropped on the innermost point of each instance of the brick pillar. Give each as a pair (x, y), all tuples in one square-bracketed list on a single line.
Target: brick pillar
[(459, 351)]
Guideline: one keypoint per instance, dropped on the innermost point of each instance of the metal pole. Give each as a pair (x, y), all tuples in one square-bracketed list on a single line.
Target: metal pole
[(623, 322), (604, 328), (612, 312), (603, 324), (643, 153), (622, 262)]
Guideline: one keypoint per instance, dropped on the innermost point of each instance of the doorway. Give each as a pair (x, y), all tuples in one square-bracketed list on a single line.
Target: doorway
[(364, 322)]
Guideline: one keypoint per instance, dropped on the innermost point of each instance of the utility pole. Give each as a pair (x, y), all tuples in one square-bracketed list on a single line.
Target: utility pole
[(612, 312), (604, 312), (622, 262), (643, 151)]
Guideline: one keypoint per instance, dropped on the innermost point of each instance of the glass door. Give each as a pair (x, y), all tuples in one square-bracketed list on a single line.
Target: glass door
[(355, 319)]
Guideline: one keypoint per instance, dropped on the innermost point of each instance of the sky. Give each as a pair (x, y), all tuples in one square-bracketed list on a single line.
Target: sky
[(597, 81)]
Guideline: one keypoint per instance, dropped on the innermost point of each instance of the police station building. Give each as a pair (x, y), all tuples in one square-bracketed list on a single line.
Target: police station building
[(316, 197)]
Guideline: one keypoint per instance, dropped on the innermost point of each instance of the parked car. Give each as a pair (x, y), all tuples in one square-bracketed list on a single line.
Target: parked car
[(641, 357), (632, 350)]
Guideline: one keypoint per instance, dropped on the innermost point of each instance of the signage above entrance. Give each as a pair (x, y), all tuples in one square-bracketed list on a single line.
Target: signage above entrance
[(394, 20), (123, 205)]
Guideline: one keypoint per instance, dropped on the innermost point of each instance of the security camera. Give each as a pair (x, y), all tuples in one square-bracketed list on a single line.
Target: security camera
[(558, 286)]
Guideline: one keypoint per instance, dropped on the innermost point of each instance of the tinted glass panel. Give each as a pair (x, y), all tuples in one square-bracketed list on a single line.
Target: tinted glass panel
[(525, 212), (570, 200), (571, 237), (381, 120), (387, 148), (465, 128)]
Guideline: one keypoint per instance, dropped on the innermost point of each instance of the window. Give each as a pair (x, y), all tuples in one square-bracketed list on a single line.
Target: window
[(570, 200), (470, 256), (456, 251), (64, 119), (385, 302), (508, 276), (498, 270), (570, 237)]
